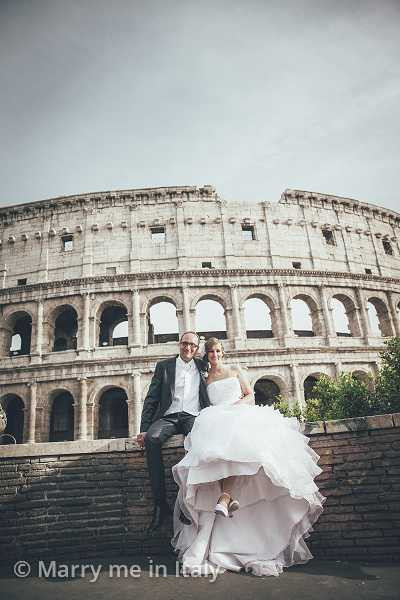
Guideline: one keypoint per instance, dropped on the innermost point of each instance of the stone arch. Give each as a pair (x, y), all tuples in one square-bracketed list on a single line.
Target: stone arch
[(267, 388), (251, 316), (304, 325), (14, 407), (349, 316), (61, 416), (382, 315), (267, 298), (363, 376), (309, 382), (112, 403), (162, 320), (219, 296), (172, 296), (109, 315), (210, 317), (64, 328), (17, 333)]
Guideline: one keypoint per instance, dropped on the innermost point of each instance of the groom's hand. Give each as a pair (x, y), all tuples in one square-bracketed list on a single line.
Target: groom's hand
[(140, 439)]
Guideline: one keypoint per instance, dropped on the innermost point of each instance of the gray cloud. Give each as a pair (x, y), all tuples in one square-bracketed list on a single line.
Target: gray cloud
[(252, 97)]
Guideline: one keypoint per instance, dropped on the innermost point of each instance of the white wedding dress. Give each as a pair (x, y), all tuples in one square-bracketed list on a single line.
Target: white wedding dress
[(275, 470)]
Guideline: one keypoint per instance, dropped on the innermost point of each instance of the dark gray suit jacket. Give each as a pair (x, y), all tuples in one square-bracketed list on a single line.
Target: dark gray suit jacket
[(161, 391)]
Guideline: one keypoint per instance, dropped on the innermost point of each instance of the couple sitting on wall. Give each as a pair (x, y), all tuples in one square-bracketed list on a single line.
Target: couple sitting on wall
[(246, 491)]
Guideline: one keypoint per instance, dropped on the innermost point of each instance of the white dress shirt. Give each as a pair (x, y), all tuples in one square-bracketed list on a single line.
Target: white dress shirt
[(187, 384)]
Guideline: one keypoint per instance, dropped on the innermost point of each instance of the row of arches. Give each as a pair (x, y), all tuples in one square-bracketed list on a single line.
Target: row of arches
[(266, 391), (112, 419), (261, 317), (112, 416)]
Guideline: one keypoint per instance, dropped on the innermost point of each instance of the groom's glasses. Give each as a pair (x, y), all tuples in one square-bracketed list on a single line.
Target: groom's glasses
[(189, 344)]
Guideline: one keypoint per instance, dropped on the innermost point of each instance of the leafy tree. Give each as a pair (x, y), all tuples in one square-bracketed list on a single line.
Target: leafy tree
[(339, 398), (386, 397), (283, 406), (347, 396)]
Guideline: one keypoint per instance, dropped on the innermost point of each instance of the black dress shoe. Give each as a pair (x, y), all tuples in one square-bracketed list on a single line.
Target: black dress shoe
[(159, 513), (183, 519)]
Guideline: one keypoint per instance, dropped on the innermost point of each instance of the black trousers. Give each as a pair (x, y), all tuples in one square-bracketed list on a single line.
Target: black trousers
[(158, 433)]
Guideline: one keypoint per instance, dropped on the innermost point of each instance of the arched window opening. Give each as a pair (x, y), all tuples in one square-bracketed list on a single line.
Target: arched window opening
[(120, 334), (266, 392), (340, 318), (257, 317), (60, 344), (111, 317), (65, 330), (309, 384), (379, 319), (346, 323), (14, 409), (373, 320), (362, 376), (62, 418), (113, 414), (16, 344), (20, 343), (210, 319), (301, 318), (162, 323)]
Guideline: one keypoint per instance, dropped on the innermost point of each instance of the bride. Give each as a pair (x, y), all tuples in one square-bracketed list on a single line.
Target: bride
[(246, 496)]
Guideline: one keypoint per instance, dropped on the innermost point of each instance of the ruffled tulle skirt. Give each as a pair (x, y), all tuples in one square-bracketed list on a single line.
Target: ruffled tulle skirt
[(274, 469)]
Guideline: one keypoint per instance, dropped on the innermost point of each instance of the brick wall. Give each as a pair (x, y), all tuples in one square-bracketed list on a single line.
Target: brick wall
[(361, 480), (74, 499)]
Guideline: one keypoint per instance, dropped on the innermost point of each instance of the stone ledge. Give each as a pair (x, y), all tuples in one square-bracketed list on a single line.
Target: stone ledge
[(181, 275), (78, 447), (396, 419), (128, 444), (312, 427), (360, 424)]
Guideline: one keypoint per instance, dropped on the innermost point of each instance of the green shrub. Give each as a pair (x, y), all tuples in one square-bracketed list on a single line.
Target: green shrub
[(339, 398), (283, 406), (346, 396), (386, 397)]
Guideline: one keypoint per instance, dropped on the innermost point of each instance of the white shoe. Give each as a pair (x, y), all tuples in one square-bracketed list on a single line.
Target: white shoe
[(221, 509), (233, 505)]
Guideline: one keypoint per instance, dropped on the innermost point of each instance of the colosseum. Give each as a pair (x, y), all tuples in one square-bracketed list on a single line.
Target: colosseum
[(97, 287)]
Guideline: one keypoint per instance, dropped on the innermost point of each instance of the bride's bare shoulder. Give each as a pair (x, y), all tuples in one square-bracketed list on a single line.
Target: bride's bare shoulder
[(238, 372), (235, 371), (226, 374)]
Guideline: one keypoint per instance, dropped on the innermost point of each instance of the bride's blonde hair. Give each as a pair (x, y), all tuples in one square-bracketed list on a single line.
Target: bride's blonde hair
[(210, 343)]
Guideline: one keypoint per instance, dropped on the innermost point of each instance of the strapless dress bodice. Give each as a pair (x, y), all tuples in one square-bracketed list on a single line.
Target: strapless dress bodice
[(224, 391)]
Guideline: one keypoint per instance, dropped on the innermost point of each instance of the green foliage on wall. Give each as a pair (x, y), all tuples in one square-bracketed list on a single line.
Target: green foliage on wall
[(347, 396)]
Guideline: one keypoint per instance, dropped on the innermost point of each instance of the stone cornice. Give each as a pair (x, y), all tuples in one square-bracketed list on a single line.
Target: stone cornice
[(330, 201), (209, 274), (130, 197), (177, 194)]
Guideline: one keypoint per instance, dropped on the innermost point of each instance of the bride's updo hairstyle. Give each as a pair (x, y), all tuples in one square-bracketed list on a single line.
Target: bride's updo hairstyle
[(209, 345)]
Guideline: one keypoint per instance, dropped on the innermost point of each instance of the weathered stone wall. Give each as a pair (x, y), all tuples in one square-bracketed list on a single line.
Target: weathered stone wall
[(76, 500), (113, 231)]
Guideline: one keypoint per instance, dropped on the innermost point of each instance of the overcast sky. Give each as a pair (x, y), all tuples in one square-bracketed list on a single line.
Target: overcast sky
[(252, 96)]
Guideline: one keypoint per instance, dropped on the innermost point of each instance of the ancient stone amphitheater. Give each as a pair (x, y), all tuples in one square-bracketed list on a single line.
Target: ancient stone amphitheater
[(83, 277)]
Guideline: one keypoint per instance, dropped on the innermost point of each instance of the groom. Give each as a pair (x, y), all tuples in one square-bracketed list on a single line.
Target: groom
[(176, 395)]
